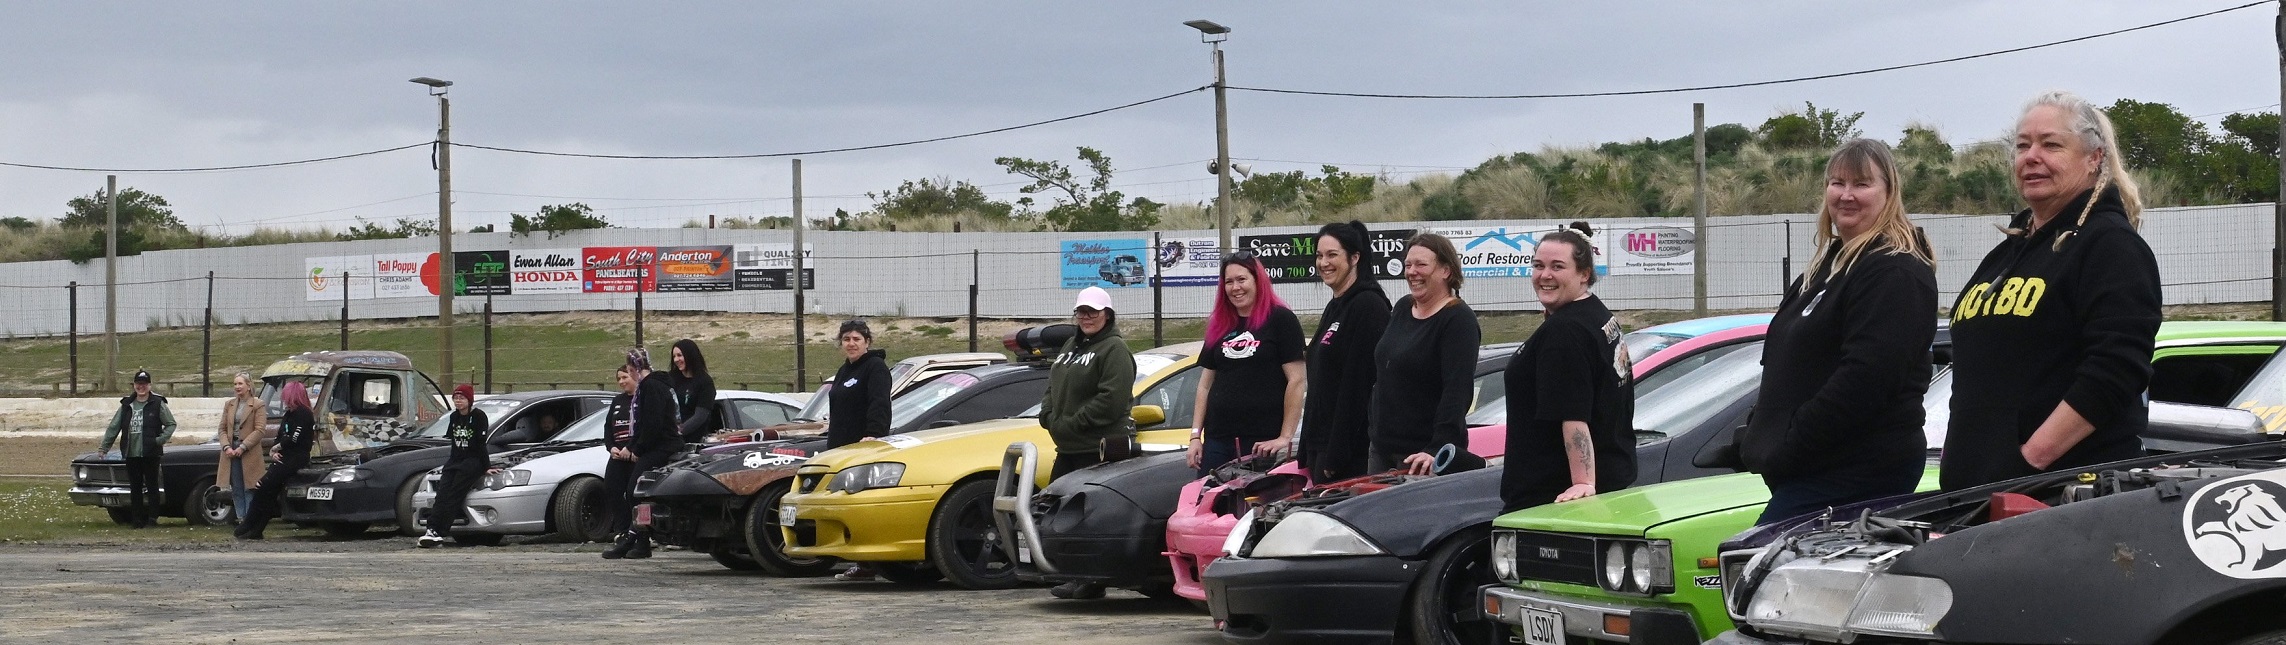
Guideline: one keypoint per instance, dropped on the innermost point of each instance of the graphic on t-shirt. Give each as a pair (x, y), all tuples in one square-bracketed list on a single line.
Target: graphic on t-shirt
[(1327, 339), (1240, 346), (1620, 361)]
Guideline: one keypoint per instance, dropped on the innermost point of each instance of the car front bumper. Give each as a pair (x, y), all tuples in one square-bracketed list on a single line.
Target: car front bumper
[(1354, 599), (357, 501), (880, 525), (515, 510), (1589, 618), (1126, 561), (104, 495)]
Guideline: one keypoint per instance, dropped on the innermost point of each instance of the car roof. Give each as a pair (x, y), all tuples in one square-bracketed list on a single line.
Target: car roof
[(535, 395), (753, 395), (1703, 326), (2191, 332), (953, 357)]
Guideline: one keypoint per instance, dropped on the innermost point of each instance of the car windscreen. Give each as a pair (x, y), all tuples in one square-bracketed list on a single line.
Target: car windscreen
[(1641, 345), (587, 428), (2265, 395), (496, 410), (1689, 399), (904, 409), (815, 409), (273, 386), (1145, 366)]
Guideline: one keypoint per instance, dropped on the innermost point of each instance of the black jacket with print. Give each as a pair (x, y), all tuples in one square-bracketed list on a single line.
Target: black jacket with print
[(2037, 326), (1336, 411), (468, 433)]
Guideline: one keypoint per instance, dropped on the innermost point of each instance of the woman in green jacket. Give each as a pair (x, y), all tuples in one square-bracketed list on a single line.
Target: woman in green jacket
[(1090, 387)]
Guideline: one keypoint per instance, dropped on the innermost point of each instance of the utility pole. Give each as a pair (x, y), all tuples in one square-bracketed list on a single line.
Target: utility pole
[(801, 339), (1214, 34), (2278, 223), (446, 274), (111, 283), (1699, 209)]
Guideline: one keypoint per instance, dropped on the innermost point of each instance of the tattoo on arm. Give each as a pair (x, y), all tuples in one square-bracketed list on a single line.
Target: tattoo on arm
[(1582, 452)]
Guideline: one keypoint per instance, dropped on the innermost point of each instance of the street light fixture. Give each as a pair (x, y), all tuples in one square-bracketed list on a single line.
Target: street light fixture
[(446, 275), (1213, 34)]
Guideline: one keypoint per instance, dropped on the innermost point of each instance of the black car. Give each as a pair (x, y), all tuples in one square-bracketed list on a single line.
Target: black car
[(706, 502), (2176, 548), (1108, 524), (348, 492), (186, 485)]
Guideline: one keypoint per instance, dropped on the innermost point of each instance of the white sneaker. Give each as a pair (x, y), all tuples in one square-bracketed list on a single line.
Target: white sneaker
[(430, 540)]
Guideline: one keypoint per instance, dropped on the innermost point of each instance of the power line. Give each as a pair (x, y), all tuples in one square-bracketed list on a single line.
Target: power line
[(2251, 109), (1702, 88), (878, 146), (219, 168)]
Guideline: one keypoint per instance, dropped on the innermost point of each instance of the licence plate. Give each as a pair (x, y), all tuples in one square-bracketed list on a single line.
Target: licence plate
[(786, 515), (1543, 627), (320, 493), (111, 501), (1023, 549)]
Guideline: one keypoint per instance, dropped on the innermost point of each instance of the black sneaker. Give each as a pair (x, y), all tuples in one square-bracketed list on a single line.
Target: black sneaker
[(1077, 591)]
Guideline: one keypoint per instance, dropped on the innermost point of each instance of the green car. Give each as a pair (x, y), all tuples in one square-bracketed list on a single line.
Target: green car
[(1638, 565)]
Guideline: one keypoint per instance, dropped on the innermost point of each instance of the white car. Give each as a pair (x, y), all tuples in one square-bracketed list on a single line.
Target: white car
[(557, 487)]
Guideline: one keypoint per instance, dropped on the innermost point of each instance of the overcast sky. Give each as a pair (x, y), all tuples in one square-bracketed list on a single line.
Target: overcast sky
[(139, 85)]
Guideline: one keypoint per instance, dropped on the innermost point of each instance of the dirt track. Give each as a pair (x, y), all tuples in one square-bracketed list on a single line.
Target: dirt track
[(384, 591)]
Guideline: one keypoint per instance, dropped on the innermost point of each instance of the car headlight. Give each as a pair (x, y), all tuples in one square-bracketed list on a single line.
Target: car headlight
[(79, 474), (861, 478), (506, 478), (1310, 534), (343, 475), (1637, 567), (1504, 557), (1842, 599), (1235, 542)]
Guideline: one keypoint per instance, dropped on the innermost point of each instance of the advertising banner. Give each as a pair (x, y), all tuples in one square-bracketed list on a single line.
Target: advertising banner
[(1505, 252), (480, 273), (770, 267), (1288, 257), (398, 275), (1654, 250), (543, 271), (694, 268), (618, 269), (1110, 264), (324, 277), (1188, 261), (1386, 259)]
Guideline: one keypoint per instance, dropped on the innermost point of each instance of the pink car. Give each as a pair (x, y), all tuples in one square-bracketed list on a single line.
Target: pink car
[(1204, 516)]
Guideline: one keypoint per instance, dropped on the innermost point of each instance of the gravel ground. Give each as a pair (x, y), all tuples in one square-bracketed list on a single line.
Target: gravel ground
[(381, 590)]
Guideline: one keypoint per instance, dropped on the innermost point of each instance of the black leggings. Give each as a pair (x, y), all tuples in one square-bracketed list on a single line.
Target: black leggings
[(267, 494), (142, 484), (619, 485), (452, 498)]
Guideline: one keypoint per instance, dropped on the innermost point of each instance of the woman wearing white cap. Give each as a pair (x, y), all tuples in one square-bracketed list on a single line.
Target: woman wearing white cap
[(1090, 394)]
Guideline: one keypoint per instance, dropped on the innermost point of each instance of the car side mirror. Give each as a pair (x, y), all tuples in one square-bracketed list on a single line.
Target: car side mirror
[(943, 423), (1148, 415)]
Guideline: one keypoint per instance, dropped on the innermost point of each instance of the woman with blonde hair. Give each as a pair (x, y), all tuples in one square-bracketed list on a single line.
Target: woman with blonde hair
[(1426, 367), (241, 436), (2043, 383), (1846, 361)]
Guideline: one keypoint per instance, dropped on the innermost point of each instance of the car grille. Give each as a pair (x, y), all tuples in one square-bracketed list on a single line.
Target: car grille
[(106, 475), (1555, 557), (809, 483)]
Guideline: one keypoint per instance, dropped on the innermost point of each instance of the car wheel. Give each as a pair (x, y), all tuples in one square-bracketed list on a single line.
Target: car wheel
[(1447, 591), (965, 544), (477, 539), (343, 529), (409, 518), (767, 543), (2267, 638), (907, 573), (198, 506), (121, 516), (730, 557), (580, 513)]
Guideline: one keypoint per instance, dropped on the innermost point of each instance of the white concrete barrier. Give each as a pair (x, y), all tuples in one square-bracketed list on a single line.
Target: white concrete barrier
[(195, 417)]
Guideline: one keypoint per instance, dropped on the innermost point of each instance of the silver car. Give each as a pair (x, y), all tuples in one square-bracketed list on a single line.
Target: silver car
[(557, 487)]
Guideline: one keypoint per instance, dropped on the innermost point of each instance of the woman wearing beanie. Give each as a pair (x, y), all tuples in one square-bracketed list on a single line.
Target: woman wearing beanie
[(466, 466)]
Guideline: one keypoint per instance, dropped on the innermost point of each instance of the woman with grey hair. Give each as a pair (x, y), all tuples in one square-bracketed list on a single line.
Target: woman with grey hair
[(2046, 383)]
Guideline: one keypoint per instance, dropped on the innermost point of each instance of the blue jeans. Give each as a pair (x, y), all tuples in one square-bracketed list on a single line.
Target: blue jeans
[(1214, 451), (239, 496)]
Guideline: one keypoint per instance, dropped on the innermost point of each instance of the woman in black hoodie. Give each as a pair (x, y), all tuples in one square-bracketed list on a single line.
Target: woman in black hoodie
[(694, 393), (1846, 362), (858, 403), (640, 436), (2044, 383), (1341, 357)]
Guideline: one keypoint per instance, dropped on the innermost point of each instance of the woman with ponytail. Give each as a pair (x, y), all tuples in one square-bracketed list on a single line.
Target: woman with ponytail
[(1341, 356), (2052, 335), (1250, 381)]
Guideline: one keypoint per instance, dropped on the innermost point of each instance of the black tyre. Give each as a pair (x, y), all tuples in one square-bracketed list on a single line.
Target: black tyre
[(766, 542), (477, 539), (409, 518), (907, 573), (726, 553), (1447, 591), (121, 516), (2266, 638), (580, 513), (344, 529), (964, 543), (208, 504)]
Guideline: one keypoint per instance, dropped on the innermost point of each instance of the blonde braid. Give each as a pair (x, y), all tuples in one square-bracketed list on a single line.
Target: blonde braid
[(2103, 181)]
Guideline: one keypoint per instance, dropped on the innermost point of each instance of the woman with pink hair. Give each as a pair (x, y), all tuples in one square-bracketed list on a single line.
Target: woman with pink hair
[(1251, 378), (288, 456)]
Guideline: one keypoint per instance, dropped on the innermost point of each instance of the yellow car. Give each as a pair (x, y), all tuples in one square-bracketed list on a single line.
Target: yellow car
[(918, 505)]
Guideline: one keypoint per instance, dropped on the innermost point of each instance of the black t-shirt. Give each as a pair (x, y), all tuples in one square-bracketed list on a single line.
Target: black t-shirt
[(467, 432), (1425, 374), (1248, 398), (1573, 368)]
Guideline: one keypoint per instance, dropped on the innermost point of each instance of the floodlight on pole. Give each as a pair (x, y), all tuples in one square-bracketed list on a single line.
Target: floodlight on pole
[(1213, 34)]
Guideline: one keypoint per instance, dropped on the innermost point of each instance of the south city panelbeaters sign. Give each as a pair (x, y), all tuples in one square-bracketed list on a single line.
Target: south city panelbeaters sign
[(595, 269)]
